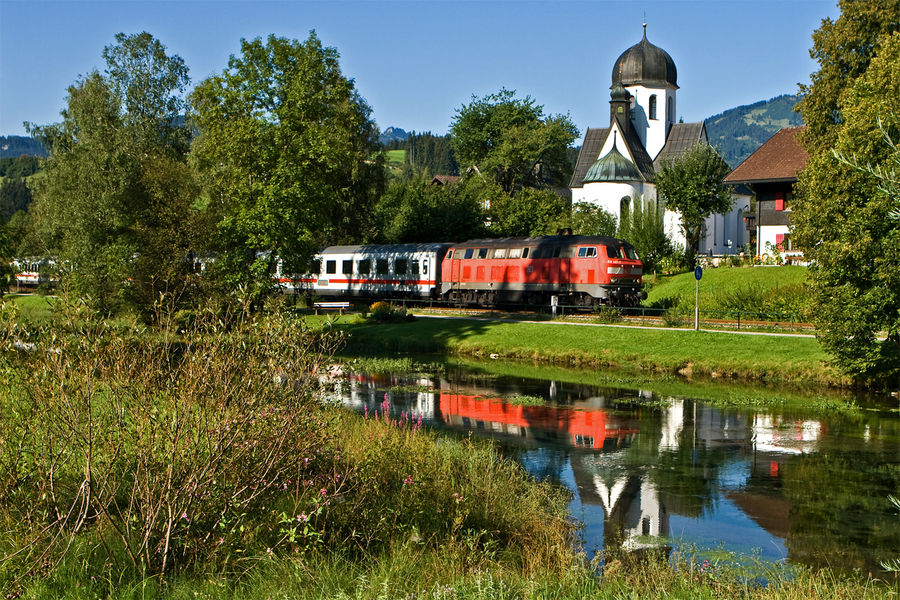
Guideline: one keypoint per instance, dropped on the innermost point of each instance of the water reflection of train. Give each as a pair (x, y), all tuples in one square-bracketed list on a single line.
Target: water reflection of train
[(467, 408)]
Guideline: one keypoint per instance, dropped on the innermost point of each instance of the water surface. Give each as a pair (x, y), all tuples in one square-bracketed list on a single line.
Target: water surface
[(645, 470)]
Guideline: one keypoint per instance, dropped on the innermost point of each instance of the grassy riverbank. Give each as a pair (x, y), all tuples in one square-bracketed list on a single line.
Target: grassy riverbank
[(797, 360), (141, 463)]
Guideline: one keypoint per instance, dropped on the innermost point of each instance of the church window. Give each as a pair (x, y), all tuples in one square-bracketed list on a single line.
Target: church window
[(624, 206), (653, 107), (670, 109)]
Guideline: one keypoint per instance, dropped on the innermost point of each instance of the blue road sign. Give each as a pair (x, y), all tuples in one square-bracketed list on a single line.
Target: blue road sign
[(698, 273)]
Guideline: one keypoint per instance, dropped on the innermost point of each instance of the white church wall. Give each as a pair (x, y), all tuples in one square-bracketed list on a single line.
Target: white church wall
[(608, 195), (652, 132)]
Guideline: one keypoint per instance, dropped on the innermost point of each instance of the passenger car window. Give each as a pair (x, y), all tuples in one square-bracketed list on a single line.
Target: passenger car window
[(365, 267), (316, 267), (381, 266), (330, 267), (347, 267), (400, 266)]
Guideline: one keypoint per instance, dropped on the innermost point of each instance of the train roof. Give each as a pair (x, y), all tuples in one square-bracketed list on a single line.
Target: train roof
[(385, 248), (543, 240)]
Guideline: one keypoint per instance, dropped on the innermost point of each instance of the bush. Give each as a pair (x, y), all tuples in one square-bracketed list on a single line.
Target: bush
[(385, 312)]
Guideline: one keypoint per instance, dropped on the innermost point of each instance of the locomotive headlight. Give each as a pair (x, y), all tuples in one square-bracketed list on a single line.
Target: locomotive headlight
[(616, 270)]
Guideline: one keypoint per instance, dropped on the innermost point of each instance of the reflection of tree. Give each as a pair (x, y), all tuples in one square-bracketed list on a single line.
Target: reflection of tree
[(841, 514)]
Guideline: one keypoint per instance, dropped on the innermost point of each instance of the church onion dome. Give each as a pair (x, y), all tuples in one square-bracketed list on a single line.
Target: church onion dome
[(613, 166), (645, 64), (619, 93)]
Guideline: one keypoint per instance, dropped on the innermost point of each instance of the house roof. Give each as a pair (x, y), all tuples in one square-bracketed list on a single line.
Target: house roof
[(779, 159), (682, 137), (444, 179)]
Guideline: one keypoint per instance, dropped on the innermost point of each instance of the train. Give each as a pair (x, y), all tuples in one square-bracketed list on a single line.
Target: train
[(574, 270)]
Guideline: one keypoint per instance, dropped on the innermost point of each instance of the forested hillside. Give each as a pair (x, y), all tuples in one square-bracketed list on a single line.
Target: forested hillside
[(738, 132), (425, 153), (17, 145)]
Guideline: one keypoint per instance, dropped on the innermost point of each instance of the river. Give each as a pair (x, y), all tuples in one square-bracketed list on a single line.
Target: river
[(784, 484)]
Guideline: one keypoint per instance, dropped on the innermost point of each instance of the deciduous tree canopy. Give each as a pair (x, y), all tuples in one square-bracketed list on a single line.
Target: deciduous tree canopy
[(843, 215), (511, 141), (693, 185), (285, 152), (115, 199)]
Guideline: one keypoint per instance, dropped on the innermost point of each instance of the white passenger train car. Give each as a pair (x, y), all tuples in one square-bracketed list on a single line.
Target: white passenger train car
[(373, 271)]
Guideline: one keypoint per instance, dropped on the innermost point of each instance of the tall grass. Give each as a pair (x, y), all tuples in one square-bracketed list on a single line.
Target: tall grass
[(133, 456)]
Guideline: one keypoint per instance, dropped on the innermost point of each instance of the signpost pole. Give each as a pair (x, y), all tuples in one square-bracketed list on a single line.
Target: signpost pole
[(698, 273)]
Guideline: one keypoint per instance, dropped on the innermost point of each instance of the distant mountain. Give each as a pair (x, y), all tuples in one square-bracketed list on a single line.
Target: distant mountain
[(738, 132), (14, 146), (392, 134)]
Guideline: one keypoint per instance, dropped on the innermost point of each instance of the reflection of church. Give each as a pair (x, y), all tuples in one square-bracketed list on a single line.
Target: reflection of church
[(617, 164)]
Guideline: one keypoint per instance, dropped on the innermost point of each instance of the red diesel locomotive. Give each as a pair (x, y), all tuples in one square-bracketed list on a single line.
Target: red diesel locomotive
[(579, 270)]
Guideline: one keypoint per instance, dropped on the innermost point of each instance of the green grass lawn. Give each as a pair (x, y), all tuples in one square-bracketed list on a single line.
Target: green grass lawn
[(782, 359), (395, 158), (724, 288), (34, 308)]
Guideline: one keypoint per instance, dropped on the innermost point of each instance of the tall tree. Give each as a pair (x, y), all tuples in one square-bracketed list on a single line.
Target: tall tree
[(843, 49), (844, 221), (693, 185), (511, 141), (590, 219), (643, 225), (528, 213), (414, 211), (115, 199), (287, 152)]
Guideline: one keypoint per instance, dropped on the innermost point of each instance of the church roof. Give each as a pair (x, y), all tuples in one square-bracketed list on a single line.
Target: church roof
[(612, 167), (779, 159), (682, 137), (645, 64), (594, 140)]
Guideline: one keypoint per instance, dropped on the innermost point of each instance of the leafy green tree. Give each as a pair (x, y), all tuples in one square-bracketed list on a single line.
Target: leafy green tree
[(511, 141), (285, 152), (115, 200), (842, 219), (693, 185), (843, 49), (644, 227), (6, 257), (530, 212), (590, 219), (414, 211)]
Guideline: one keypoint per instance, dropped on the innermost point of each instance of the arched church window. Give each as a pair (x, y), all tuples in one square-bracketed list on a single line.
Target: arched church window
[(652, 110), (670, 109), (624, 206)]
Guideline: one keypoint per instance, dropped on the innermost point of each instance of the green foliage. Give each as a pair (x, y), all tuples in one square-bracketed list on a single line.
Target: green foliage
[(843, 49), (14, 196), (20, 166), (414, 211), (842, 218), (590, 219), (428, 154), (114, 202), (511, 141), (386, 312), (285, 153), (644, 227), (529, 212), (693, 185)]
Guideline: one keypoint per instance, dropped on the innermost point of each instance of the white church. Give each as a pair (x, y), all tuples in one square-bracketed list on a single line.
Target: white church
[(617, 164)]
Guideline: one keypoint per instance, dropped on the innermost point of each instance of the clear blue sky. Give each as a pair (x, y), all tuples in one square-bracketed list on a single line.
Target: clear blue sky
[(416, 62)]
